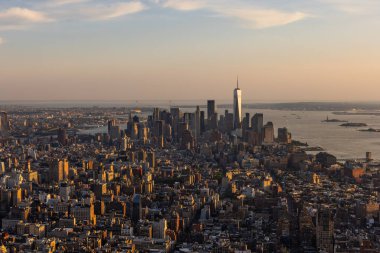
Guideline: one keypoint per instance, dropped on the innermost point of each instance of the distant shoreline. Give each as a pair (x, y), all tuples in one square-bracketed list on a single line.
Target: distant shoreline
[(337, 108)]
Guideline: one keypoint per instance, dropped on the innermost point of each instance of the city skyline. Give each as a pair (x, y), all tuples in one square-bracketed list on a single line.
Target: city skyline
[(320, 50)]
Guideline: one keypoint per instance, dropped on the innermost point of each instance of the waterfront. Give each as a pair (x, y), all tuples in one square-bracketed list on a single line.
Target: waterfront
[(307, 126), (343, 142)]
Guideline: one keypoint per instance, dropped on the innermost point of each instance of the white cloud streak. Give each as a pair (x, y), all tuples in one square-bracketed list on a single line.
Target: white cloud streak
[(65, 2), (354, 6), (249, 15), (107, 12), (185, 5), (20, 18), (18, 14)]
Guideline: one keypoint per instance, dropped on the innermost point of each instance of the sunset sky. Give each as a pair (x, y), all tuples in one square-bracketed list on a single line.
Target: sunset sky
[(282, 50)]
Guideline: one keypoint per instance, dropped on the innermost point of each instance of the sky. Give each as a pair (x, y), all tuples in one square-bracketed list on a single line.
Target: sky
[(282, 50)]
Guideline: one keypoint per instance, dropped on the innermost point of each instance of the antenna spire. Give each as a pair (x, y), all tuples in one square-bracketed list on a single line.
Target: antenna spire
[(237, 81)]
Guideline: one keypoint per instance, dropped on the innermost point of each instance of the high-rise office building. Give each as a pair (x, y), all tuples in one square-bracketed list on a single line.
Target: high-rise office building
[(175, 112), (134, 131), (159, 128), (136, 208), (110, 124), (237, 106), (246, 121), (268, 133), (325, 230), (59, 170), (228, 121), (202, 122), (212, 116), (156, 114), (284, 137), (181, 128), (257, 122), (4, 122), (62, 136), (114, 132), (143, 132), (211, 108), (197, 123)]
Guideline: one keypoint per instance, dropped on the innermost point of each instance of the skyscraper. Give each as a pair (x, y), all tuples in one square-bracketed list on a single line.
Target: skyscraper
[(257, 122), (268, 133), (59, 170), (136, 208), (237, 106), (325, 230), (111, 123), (62, 136), (197, 122), (211, 109), (212, 116), (4, 123)]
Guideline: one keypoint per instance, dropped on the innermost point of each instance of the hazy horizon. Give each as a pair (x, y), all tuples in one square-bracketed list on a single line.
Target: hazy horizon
[(316, 50)]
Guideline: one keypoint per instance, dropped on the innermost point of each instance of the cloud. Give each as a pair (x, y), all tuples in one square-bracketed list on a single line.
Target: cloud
[(184, 5), (1, 41), (250, 16), (64, 2), (262, 18), (111, 11), (17, 14), (354, 6)]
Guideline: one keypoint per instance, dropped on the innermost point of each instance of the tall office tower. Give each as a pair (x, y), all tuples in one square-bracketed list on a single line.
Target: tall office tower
[(167, 131), (190, 119), (211, 108), (284, 137), (62, 136), (156, 114), (4, 122), (136, 208), (159, 228), (64, 191), (246, 121), (186, 118), (16, 194), (59, 170), (237, 106), (151, 158), (110, 124), (212, 116), (221, 123), (197, 122), (268, 133), (257, 122), (175, 112), (325, 230), (228, 121), (187, 140), (143, 132), (181, 128), (158, 129), (202, 122), (141, 155), (134, 131), (124, 143), (114, 132)]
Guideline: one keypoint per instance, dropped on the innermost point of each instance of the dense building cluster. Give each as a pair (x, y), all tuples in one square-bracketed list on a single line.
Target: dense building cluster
[(170, 180)]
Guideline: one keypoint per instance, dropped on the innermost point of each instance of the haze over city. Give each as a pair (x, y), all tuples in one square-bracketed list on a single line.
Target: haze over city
[(189, 126), (317, 50)]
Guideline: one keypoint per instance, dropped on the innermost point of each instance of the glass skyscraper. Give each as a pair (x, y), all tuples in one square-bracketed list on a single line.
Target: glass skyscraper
[(237, 106)]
